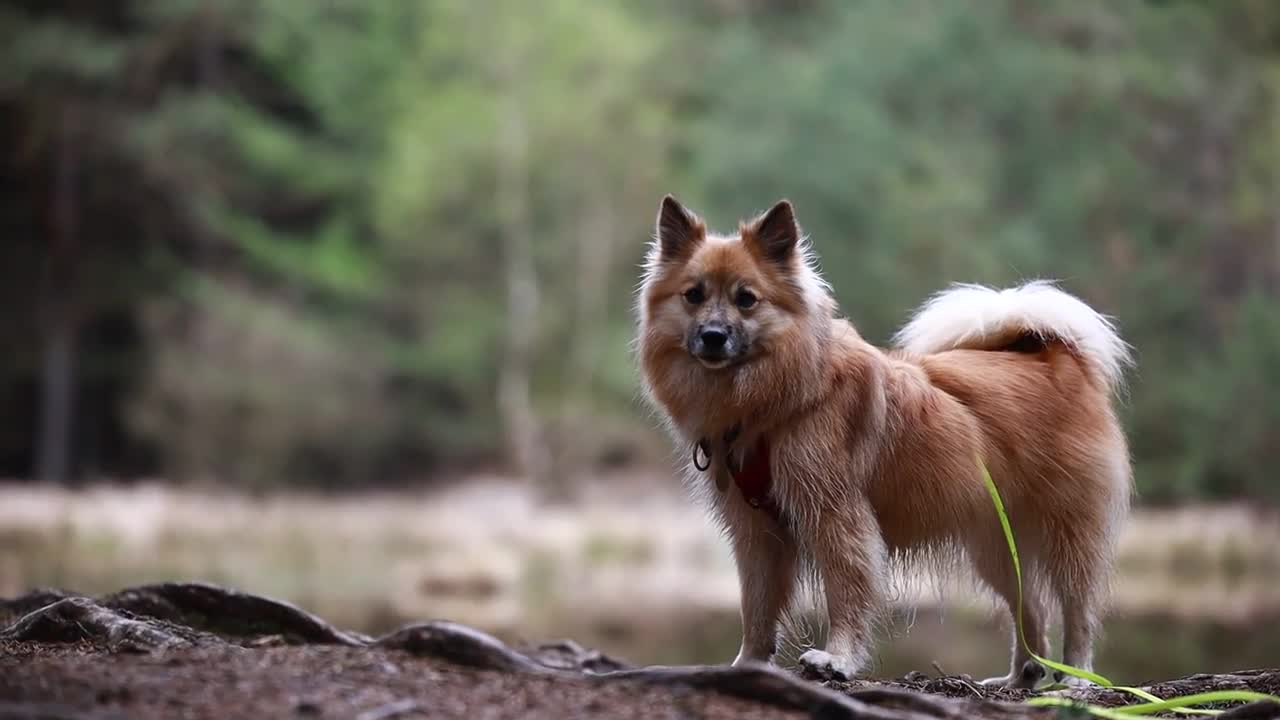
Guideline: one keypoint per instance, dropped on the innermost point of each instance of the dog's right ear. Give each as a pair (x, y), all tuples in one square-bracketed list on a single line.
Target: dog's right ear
[(679, 230)]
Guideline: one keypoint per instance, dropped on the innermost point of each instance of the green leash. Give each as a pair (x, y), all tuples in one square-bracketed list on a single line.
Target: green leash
[(1153, 704)]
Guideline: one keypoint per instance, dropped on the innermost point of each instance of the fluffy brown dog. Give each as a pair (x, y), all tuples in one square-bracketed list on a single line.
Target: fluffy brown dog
[(817, 449)]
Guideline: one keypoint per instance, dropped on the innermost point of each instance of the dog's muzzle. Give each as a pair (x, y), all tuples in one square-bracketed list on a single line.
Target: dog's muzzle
[(715, 344)]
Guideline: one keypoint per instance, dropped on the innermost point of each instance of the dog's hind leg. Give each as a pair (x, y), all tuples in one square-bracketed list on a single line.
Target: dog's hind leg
[(995, 566), (1080, 570), (1082, 539), (1079, 574), (1079, 624), (766, 558)]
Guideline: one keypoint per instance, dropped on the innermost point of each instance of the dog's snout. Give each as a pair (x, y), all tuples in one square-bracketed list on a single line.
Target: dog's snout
[(714, 336), (716, 343)]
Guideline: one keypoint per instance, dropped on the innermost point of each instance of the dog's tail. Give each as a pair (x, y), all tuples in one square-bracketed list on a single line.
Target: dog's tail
[(973, 317)]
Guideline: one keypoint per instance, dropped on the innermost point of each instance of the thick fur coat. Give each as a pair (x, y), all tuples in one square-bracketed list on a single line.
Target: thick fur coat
[(874, 454)]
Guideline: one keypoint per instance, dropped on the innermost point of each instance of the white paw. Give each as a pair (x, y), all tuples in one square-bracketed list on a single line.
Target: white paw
[(828, 666), (1074, 683), (1004, 681), (1031, 674)]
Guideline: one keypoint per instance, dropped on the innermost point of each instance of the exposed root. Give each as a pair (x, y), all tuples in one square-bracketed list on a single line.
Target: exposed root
[(229, 612), (171, 616), (462, 645), (75, 619)]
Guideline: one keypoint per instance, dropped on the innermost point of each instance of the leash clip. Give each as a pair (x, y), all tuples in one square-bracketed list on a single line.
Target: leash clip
[(701, 445)]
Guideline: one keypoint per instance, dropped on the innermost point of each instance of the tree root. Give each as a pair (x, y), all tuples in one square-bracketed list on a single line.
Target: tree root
[(461, 645), (229, 612), (176, 615), (75, 619)]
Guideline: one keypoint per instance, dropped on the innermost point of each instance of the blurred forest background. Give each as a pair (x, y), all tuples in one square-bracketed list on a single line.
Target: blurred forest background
[(352, 245), (342, 243)]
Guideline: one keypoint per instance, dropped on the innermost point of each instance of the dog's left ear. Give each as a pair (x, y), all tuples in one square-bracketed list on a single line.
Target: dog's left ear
[(775, 234)]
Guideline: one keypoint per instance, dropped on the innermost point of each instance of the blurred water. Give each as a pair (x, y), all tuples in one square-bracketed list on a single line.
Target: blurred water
[(632, 569), (1133, 649)]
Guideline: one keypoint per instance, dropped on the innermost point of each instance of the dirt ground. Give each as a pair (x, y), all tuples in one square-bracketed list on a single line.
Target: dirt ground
[(197, 651), (79, 681)]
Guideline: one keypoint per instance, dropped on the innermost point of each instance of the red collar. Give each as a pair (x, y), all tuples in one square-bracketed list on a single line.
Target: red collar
[(755, 478)]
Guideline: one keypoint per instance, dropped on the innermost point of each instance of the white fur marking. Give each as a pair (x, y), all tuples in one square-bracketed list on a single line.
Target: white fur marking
[(974, 316)]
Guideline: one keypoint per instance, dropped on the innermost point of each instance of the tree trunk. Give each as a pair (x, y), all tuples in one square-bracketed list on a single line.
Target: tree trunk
[(58, 357), (1275, 250), (594, 258), (57, 400), (525, 443)]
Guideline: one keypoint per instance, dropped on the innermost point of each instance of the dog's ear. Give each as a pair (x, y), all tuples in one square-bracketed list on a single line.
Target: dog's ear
[(679, 230), (775, 234)]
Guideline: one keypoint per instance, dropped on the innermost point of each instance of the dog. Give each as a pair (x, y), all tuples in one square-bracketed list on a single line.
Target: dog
[(817, 450)]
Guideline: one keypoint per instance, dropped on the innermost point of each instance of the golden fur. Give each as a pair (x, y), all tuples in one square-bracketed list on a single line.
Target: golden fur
[(875, 452)]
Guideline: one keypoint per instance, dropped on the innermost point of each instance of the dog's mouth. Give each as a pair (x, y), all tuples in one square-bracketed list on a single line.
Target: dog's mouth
[(717, 347), (714, 363), (722, 359)]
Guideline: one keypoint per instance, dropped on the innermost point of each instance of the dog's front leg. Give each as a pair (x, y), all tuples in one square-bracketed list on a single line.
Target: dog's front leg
[(766, 559), (852, 559)]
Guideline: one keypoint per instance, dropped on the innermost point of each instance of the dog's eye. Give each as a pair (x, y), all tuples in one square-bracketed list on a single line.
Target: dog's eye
[(695, 295), (745, 299)]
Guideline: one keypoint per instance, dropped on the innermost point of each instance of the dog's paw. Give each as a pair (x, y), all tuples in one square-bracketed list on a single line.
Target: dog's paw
[(1027, 679), (1072, 682), (1004, 681), (824, 665)]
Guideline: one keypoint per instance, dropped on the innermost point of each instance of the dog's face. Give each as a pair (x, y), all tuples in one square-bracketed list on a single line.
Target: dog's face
[(724, 301)]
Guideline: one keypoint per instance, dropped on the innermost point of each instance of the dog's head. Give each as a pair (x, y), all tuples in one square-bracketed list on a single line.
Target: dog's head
[(724, 302)]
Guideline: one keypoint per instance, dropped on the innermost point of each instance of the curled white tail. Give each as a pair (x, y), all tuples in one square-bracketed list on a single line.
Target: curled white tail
[(975, 317)]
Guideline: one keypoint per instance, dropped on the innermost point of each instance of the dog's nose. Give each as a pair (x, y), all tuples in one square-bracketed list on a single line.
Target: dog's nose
[(714, 337)]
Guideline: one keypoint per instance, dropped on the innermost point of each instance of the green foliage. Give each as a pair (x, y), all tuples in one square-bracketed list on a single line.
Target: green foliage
[(54, 50), (990, 142), (326, 198)]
